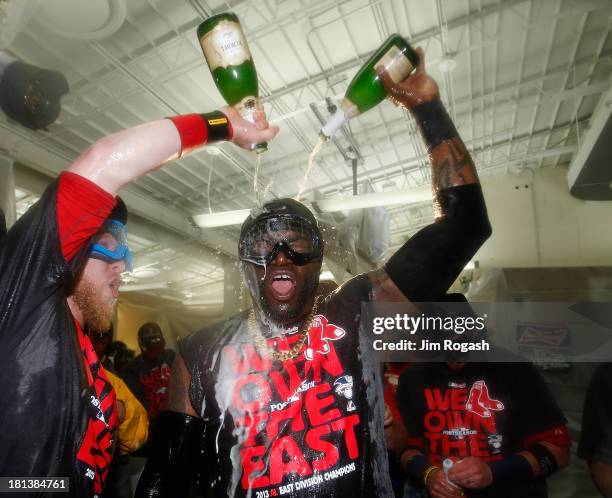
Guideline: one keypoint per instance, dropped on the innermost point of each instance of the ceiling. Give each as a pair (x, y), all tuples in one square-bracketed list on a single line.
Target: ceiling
[(528, 75)]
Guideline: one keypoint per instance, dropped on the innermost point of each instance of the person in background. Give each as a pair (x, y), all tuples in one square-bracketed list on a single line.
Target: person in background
[(497, 422), (596, 437), (122, 355), (148, 374)]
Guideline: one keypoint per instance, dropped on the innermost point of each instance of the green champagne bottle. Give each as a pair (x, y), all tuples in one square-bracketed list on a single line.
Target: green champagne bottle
[(366, 90), (231, 64)]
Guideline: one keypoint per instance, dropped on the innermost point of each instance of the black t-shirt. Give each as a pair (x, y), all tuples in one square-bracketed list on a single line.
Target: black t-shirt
[(148, 380), (311, 426), (485, 410), (596, 437)]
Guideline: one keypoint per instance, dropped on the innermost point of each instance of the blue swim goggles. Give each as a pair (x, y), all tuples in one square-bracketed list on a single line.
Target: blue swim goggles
[(121, 251)]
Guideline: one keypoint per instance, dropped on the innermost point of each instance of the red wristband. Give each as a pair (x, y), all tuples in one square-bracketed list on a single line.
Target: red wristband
[(196, 130)]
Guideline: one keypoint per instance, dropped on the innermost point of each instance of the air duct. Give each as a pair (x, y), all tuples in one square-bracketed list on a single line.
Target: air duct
[(590, 172)]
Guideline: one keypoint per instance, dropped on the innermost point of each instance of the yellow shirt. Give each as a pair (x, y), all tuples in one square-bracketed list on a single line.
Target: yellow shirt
[(134, 429)]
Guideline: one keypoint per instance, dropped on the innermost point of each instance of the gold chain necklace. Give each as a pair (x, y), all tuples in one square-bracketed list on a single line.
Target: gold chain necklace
[(262, 343)]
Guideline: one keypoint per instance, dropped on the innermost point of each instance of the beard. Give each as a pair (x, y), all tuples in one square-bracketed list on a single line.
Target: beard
[(281, 314), (290, 313), (97, 311)]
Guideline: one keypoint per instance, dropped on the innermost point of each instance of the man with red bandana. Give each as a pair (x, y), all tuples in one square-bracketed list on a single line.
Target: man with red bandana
[(285, 399), (60, 267)]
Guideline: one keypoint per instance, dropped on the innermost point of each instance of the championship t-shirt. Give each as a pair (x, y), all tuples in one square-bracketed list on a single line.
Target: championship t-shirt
[(485, 410), (148, 380), (308, 426), (58, 411)]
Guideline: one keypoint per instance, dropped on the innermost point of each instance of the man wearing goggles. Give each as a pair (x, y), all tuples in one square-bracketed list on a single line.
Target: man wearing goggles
[(112, 246), (60, 272), (287, 232), (257, 393)]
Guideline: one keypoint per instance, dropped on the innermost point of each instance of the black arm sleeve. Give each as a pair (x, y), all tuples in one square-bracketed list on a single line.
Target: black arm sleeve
[(173, 456), (426, 266), (409, 398)]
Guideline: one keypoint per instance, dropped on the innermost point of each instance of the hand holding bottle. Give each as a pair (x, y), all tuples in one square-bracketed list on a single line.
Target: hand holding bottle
[(418, 88), (248, 134)]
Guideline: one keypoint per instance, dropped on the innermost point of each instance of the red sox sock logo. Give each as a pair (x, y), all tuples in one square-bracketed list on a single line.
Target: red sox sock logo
[(479, 401), (319, 335)]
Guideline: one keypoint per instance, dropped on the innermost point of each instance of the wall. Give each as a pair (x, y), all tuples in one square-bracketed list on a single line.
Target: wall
[(536, 222), (176, 321)]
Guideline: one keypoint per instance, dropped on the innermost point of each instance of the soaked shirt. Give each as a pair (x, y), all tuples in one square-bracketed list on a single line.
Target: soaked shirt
[(305, 427), (58, 410)]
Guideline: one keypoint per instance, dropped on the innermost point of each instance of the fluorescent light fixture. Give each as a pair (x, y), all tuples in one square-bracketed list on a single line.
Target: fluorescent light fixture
[(470, 265), (221, 219), (143, 287), (390, 198), (145, 272), (203, 302), (326, 275)]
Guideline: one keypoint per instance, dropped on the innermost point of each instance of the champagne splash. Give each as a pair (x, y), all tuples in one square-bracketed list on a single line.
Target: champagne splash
[(311, 162), (258, 197)]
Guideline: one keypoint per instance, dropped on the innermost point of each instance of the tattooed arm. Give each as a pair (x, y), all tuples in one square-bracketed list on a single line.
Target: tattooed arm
[(178, 388), (425, 267), (175, 446)]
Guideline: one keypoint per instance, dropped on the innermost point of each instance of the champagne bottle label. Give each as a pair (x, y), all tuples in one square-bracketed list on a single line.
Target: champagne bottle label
[(396, 64), (225, 45)]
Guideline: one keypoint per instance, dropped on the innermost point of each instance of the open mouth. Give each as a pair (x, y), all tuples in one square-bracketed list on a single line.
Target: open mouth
[(114, 287), (282, 285)]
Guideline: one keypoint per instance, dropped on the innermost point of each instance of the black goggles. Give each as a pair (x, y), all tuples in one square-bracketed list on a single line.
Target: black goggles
[(299, 239)]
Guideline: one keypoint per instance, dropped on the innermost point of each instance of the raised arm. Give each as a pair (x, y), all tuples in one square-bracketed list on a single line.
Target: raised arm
[(425, 267), (117, 159)]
